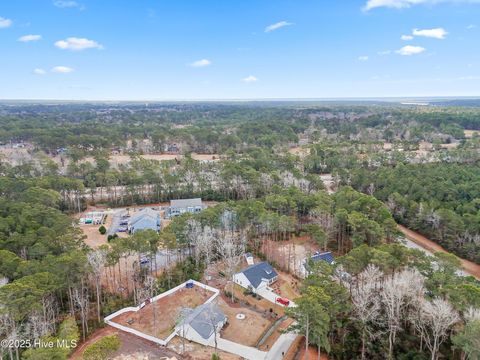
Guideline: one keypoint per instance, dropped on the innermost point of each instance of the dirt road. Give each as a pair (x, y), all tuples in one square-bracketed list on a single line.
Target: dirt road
[(468, 266)]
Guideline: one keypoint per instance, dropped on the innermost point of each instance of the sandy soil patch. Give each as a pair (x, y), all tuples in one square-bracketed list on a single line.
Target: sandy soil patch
[(93, 237), (470, 133), (248, 331), (15, 156), (299, 151), (205, 157), (198, 352), (286, 286), (132, 347), (166, 312), (116, 160), (290, 254), (449, 146), (312, 353)]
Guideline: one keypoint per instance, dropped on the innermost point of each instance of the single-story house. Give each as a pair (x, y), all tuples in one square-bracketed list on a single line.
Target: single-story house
[(326, 256), (145, 219), (201, 324), (248, 258), (256, 276), (181, 206)]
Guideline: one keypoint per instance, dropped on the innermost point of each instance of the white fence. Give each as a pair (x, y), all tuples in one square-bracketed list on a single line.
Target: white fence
[(163, 342)]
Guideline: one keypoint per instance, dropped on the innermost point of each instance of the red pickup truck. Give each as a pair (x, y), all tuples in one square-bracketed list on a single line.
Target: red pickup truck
[(283, 301)]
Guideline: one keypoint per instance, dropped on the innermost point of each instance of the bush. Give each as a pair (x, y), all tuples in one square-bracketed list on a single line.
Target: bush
[(111, 237), (101, 349), (215, 357), (102, 230)]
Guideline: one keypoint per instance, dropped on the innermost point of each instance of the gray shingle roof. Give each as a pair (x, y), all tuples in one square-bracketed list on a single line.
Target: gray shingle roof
[(202, 318), (185, 203), (140, 215), (256, 273)]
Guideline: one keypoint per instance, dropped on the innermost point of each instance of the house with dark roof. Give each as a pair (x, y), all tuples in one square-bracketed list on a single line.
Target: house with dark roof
[(145, 219), (202, 323), (256, 277), (181, 206), (326, 256)]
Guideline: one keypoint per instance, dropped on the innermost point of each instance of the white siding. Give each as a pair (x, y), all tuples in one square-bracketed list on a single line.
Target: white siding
[(241, 280)]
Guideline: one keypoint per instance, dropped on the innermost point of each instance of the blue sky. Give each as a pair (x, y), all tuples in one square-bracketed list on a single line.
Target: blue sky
[(238, 49)]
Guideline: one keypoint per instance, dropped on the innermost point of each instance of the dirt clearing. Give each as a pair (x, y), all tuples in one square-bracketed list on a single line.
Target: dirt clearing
[(132, 347), (247, 331), (159, 318)]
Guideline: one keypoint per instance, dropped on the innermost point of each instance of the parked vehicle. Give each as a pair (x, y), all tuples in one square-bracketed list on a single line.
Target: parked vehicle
[(122, 229), (283, 301)]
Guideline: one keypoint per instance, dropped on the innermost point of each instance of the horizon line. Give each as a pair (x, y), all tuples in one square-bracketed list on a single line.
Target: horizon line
[(302, 99)]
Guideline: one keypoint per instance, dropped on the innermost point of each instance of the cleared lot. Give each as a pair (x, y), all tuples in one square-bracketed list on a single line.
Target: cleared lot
[(159, 318), (247, 331)]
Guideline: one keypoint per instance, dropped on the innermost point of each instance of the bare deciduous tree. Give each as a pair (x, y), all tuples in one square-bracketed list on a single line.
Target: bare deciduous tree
[(230, 249), (433, 320), (366, 304), (97, 260), (80, 299), (399, 291)]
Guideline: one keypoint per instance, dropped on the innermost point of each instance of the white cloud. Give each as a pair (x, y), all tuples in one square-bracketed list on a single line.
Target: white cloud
[(471, 26), (5, 23), (406, 37), (384, 52), (39, 71), (470, 77), (77, 44), (399, 4), (363, 58), (62, 69), (277, 26), (250, 79), (410, 50), (67, 4), (437, 33), (28, 38), (201, 63)]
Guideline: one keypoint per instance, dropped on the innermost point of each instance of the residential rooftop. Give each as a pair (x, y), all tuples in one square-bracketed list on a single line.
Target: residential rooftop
[(256, 273)]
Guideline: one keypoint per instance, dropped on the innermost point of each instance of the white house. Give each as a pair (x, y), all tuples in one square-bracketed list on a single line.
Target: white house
[(202, 323), (256, 277), (181, 206)]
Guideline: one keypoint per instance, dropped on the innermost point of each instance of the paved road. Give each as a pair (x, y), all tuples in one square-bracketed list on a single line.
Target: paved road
[(117, 217), (245, 352), (416, 240), (281, 346)]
